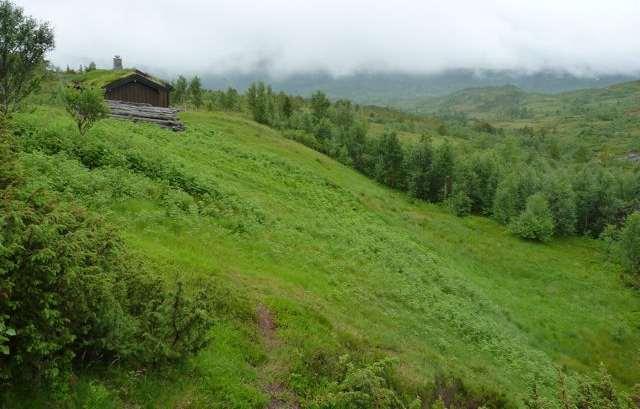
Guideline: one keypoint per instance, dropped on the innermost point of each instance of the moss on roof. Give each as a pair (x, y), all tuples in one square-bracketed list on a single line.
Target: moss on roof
[(100, 78)]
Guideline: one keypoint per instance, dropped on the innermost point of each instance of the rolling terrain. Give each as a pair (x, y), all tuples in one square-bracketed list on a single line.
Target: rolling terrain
[(332, 264)]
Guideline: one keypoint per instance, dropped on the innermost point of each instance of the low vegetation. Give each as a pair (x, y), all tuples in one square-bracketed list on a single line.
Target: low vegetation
[(232, 266)]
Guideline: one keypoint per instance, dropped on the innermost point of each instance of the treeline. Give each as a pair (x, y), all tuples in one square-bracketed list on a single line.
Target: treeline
[(537, 196)]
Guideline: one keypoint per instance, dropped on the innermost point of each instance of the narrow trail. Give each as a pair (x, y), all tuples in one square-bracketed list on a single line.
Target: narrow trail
[(280, 396)]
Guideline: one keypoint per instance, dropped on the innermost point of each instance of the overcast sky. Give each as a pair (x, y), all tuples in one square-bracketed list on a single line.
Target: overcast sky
[(581, 36)]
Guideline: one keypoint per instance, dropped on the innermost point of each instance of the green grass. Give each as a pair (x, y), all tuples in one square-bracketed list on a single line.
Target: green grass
[(606, 120), (339, 260)]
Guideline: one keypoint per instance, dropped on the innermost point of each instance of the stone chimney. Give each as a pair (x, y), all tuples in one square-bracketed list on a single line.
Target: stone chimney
[(117, 63)]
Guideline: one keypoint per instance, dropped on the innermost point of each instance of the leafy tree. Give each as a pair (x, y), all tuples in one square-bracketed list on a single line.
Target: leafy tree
[(285, 106), (630, 243), (319, 105), (343, 114), (482, 182), (195, 91), (230, 100), (597, 203), (390, 157), (323, 130), (258, 99), (419, 166), (562, 203), (23, 45), (459, 203), (85, 105), (91, 67), (355, 140), (179, 94), (536, 222), (442, 172), (512, 193)]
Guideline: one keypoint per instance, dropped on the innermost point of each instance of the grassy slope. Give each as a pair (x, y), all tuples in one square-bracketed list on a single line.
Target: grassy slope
[(335, 255), (607, 119)]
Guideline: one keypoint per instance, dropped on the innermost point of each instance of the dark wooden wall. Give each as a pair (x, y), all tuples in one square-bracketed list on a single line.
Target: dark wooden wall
[(137, 92)]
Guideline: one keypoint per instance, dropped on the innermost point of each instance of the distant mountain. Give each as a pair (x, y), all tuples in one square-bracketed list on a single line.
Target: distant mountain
[(393, 88), (511, 104)]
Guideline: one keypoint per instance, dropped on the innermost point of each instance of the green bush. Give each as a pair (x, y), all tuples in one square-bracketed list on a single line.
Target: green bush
[(562, 203), (630, 243), (536, 222), (459, 203), (512, 193), (70, 293), (85, 105), (588, 393), (366, 386)]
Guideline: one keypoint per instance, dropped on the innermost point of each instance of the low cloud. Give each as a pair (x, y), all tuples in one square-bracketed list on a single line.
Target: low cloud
[(420, 36)]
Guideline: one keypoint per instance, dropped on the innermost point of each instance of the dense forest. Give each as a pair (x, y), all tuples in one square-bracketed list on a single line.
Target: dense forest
[(287, 251)]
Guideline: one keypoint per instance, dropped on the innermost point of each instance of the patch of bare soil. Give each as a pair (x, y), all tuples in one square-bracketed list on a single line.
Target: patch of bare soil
[(280, 396)]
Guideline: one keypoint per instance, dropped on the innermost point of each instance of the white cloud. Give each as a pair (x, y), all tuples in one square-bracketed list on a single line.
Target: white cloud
[(581, 36)]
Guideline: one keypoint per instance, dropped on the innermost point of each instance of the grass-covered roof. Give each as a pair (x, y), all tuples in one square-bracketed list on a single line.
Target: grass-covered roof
[(101, 78)]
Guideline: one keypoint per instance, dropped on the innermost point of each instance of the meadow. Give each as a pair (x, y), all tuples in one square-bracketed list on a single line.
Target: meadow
[(341, 268)]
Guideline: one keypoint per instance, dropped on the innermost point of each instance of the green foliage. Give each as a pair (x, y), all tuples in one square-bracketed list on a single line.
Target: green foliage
[(419, 168), (597, 204), (320, 105), (460, 203), (389, 165), (259, 99), (195, 92), (23, 45), (360, 387), (589, 393), (536, 221), (442, 172), (180, 93), (478, 177), (512, 194), (630, 243), (85, 105), (71, 293), (5, 333), (338, 257), (562, 204)]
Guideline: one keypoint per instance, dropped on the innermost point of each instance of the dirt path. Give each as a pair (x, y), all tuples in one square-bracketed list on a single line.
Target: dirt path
[(280, 396)]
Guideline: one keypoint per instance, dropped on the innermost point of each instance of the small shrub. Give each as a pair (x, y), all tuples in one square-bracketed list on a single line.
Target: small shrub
[(85, 105), (361, 387), (536, 222)]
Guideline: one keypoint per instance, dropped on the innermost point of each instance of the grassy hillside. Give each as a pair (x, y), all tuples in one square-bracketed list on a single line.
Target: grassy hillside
[(606, 120), (331, 263)]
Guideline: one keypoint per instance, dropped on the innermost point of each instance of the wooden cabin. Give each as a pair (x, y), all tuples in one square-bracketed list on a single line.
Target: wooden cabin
[(139, 87)]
